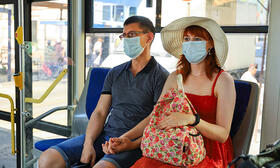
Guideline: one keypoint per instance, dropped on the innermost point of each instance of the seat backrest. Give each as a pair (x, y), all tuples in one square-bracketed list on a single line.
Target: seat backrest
[(246, 106), (88, 99), (97, 78)]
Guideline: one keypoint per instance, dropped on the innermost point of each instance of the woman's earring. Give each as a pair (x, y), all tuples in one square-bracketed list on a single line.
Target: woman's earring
[(209, 51)]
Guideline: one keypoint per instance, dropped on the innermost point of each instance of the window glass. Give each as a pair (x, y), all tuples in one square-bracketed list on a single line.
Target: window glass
[(106, 50), (132, 11), (112, 14), (225, 12), (118, 13), (166, 60), (7, 86), (7, 55), (49, 57), (246, 49)]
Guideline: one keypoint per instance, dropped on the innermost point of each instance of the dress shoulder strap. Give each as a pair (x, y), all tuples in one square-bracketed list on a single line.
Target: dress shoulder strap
[(215, 81)]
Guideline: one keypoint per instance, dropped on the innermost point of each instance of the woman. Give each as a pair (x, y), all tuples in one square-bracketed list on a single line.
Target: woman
[(201, 46)]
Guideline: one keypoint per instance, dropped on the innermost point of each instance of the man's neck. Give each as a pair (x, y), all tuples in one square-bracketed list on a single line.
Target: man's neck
[(140, 62)]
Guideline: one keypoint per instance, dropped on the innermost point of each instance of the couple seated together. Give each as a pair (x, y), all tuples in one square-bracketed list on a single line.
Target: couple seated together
[(158, 119)]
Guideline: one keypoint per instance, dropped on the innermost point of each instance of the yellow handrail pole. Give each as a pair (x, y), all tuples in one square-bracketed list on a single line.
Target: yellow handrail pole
[(12, 120), (47, 92)]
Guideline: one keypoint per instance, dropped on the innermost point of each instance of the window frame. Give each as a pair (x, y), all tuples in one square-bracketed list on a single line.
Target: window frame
[(89, 21)]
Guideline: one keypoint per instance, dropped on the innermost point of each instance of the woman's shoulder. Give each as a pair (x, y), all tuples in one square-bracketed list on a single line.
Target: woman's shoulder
[(171, 80), (225, 81), (225, 77), (173, 74)]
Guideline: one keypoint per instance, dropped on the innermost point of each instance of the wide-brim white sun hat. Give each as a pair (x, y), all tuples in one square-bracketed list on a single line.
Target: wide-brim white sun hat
[(172, 36)]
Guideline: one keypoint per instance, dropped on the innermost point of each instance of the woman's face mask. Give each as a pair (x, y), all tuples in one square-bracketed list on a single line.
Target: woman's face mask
[(194, 51), (132, 47)]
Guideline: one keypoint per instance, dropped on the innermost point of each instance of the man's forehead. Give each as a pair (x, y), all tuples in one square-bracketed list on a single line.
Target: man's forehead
[(132, 27)]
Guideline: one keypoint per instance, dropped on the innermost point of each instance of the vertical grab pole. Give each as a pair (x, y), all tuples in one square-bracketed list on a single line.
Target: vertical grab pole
[(22, 95)]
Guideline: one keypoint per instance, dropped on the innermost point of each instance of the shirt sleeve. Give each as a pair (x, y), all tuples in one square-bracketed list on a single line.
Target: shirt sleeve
[(159, 83), (107, 87)]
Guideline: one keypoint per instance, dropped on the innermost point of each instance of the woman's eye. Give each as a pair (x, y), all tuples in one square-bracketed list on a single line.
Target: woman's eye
[(186, 39), (197, 39)]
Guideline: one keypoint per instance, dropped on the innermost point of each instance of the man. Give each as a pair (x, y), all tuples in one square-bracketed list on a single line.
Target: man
[(89, 51), (250, 74), (131, 90), (97, 49)]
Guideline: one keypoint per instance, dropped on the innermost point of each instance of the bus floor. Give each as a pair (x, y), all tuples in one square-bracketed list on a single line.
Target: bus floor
[(7, 160)]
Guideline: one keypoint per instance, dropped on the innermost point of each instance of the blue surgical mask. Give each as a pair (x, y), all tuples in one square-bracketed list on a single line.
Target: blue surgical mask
[(194, 51), (132, 47)]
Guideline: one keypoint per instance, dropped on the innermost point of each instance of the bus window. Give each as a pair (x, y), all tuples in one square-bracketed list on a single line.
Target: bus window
[(226, 12), (111, 14)]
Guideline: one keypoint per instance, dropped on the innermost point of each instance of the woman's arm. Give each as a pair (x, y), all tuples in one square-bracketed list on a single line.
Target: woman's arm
[(171, 82), (219, 131), (225, 92), (116, 145)]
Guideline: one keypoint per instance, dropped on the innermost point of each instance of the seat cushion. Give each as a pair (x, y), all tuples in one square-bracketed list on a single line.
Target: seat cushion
[(45, 144)]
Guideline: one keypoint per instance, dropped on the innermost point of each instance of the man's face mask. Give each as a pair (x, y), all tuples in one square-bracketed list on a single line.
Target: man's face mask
[(132, 47), (194, 51)]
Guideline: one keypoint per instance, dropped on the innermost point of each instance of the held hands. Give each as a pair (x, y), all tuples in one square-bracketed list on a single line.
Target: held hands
[(116, 145), (88, 155), (176, 119)]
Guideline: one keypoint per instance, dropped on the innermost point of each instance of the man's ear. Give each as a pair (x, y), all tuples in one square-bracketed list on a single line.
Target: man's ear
[(150, 37)]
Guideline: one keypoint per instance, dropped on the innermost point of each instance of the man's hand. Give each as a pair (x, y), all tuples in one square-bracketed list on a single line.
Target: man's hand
[(116, 145), (88, 155), (107, 147)]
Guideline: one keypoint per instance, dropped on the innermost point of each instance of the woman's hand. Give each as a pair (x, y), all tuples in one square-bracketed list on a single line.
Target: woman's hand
[(116, 145), (176, 119)]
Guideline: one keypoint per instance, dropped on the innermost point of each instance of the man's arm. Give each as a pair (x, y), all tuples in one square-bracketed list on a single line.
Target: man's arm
[(98, 116), (95, 126), (97, 119)]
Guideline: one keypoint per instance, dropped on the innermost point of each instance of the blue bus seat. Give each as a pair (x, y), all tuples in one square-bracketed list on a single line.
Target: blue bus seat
[(245, 112), (87, 103)]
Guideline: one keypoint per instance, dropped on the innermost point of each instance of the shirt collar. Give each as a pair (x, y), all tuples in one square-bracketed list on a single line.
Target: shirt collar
[(147, 68)]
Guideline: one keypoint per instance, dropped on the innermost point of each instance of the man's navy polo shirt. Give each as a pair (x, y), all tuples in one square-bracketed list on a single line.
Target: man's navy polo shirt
[(133, 98)]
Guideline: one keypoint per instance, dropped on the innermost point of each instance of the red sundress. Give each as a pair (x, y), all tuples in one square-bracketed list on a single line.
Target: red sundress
[(218, 155)]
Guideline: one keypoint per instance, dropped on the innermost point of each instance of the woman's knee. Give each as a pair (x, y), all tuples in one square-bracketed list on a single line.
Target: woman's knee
[(51, 159)]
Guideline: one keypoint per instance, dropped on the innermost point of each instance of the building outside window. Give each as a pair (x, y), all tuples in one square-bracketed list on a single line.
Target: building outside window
[(106, 12)]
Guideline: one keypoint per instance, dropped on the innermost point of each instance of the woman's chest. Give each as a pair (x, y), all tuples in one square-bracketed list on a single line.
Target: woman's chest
[(198, 86)]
